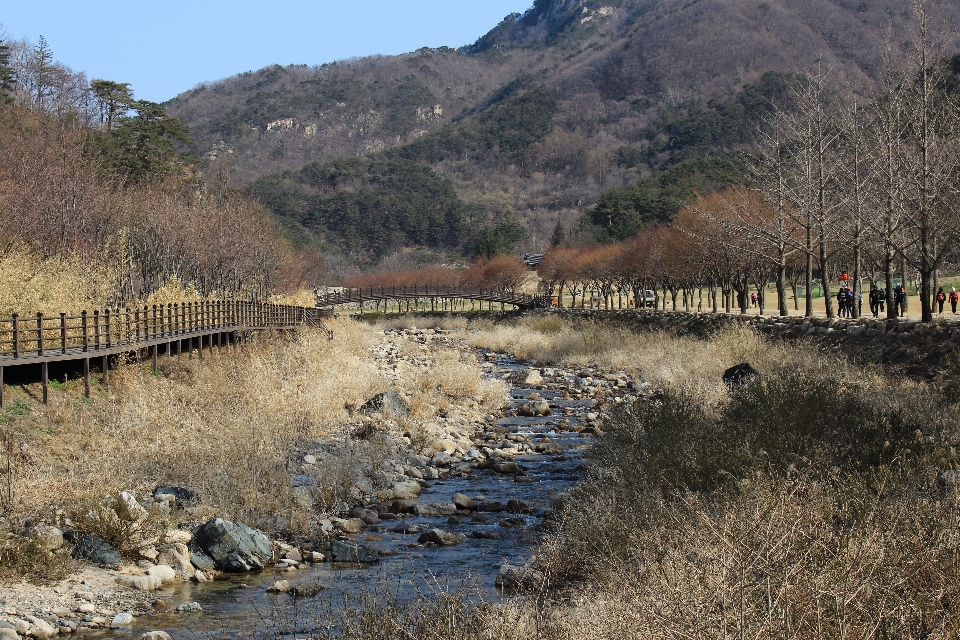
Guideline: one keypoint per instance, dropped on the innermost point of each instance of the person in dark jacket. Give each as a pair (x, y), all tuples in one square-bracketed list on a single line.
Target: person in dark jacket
[(941, 298)]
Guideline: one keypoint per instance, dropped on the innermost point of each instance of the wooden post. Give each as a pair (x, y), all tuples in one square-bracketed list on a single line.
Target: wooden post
[(106, 326), (1, 387), (16, 336), (45, 381), (96, 329), (86, 336), (39, 333), (156, 347), (105, 369), (86, 377), (63, 332)]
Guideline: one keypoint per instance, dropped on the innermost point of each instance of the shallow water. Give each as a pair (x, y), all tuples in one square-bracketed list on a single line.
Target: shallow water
[(239, 604)]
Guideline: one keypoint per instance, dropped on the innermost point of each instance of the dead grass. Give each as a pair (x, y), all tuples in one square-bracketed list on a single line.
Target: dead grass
[(31, 283)]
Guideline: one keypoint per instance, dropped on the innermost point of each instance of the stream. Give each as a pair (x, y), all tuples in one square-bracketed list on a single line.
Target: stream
[(238, 604)]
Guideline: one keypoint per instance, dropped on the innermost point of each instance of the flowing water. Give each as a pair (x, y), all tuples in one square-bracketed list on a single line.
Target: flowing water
[(239, 604)]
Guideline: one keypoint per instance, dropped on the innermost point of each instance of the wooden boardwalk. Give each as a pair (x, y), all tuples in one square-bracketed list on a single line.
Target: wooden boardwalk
[(40, 340), (431, 293)]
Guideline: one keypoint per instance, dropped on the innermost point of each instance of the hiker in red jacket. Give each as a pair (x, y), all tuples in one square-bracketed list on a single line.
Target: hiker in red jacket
[(954, 298)]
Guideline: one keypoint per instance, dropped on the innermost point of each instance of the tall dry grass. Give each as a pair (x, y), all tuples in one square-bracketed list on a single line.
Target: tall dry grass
[(31, 283)]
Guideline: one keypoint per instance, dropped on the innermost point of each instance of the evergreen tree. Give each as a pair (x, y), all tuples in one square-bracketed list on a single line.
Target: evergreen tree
[(143, 147), (40, 65), (113, 98), (7, 76), (558, 235)]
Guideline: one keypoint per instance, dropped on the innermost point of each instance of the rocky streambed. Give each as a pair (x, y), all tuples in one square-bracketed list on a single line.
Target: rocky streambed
[(454, 502)]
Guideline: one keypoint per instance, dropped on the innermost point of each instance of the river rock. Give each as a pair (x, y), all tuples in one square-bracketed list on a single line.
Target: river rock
[(233, 546), (128, 508), (182, 496), (350, 525), (739, 375), (480, 534), (164, 572), (177, 536), (519, 506), (177, 560), (533, 377), (155, 635), (505, 467), (346, 551), (443, 459), (124, 619), (463, 502), (142, 583), (280, 586), (388, 403), (511, 577), (434, 509), (492, 507), (202, 561), (406, 489), (368, 516), (95, 549), (442, 538), (9, 634), (49, 538), (40, 628), (190, 606), (307, 590)]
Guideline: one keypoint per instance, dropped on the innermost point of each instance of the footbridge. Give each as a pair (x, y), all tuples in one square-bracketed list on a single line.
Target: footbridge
[(437, 297)]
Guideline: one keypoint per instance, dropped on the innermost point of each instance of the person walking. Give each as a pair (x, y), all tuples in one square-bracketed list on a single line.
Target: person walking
[(899, 300), (941, 298), (873, 299), (841, 303), (954, 297), (881, 299)]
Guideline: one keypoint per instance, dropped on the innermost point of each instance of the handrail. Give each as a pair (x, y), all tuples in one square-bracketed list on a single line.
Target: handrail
[(114, 329), (403, 292)]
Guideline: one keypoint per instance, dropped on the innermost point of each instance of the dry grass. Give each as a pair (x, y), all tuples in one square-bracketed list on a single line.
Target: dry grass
[(30, 283)]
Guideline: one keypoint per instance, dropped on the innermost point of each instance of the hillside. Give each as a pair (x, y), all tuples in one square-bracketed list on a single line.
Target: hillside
[(623, 87)]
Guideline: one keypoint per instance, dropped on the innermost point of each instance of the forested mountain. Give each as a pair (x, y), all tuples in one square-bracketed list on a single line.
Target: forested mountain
[(538, 119)]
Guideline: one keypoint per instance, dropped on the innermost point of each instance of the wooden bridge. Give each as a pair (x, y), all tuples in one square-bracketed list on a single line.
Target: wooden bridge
[(40, 340), (422, 294)]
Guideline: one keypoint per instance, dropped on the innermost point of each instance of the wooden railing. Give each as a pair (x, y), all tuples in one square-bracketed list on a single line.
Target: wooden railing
[(365, 294), (43, 337)]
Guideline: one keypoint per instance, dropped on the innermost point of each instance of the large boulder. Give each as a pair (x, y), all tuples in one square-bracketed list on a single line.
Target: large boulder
[(49, 538), (389, 403), (233, 546), (739, 375), (434, 509), (441, 538), (95, 549), (406, 489), (128, 508), (463, 502), (346, 551)]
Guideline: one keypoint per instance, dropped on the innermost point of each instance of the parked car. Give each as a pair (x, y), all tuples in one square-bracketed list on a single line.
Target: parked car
[(649, 298)]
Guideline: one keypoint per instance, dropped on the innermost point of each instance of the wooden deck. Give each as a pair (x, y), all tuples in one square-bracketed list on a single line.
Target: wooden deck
[(40, 340)]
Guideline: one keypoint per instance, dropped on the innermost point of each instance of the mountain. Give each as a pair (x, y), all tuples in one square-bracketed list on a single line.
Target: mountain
[(535, 121)]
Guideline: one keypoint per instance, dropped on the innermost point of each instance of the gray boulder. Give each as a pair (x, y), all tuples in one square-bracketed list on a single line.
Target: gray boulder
[(233, 546), (346, 551), (387, 403), (463, 502), (739, 375), (510, 577), (435, 509), (442, 538), (95, 549)]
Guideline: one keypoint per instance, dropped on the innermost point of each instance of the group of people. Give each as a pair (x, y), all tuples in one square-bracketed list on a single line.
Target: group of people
[(942, 297), (878, 299)]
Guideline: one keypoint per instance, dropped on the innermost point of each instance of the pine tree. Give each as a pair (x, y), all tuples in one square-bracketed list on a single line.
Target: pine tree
[(41, 62), (113, 98), (558, 235), (7, 76)]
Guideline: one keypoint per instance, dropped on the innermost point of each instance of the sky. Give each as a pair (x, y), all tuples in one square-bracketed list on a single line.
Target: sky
[(167, 47)]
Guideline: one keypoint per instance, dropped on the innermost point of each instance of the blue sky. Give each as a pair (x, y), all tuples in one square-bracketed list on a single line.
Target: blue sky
[(165, 47)]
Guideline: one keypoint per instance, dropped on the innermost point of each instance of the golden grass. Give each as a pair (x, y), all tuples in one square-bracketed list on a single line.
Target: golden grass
[(31, 283)]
